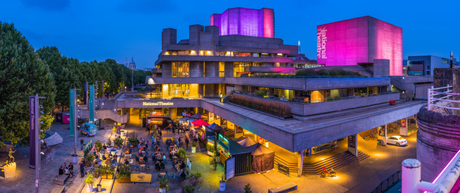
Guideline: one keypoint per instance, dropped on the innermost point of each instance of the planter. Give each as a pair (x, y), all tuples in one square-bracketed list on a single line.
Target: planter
[(107, 176), (124, 180), (99, 188), (221, 186), (10, 170), (193, 149), (89, 164), (162, 190), (89, 187)]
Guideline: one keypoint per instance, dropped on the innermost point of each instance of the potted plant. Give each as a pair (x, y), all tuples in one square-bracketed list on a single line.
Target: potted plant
[(188, 188), (89, 180), (97, 171), (124, 174), (163, 182), (98, 145), (194, 144), (133, 139), (118, 142), (247, 188), (89, 159), (109, 143), (222, 184), (182, 153)]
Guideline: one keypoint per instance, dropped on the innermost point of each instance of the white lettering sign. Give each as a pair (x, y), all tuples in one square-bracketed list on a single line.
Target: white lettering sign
[(157, 104), (321, 40)]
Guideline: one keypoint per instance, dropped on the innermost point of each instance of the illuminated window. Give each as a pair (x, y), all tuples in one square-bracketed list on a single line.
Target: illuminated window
[(229, 54), (180, 69), (206, 53), (243, 54), (240, 68), (255, 55), (201, 53), (181, 90), (193, 52), (167, 53), (174, 53), (183, 52), (221, 69), (279, 54)]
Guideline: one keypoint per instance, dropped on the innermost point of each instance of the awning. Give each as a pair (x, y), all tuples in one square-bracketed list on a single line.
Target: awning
[(246, 142), (199, 123), (183, 119), (196, 116)]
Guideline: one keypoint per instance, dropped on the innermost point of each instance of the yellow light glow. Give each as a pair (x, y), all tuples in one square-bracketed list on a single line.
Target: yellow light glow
[(166, 53), (192, 52)]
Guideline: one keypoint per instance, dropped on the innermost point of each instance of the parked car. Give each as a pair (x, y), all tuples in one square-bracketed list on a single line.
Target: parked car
[(396, 140), (88, 129)]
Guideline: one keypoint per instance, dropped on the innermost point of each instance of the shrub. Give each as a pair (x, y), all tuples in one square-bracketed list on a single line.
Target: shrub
[(124, 172), (323, 72), (182, 153), (276, 108), (89, 179), (336, 98), (132, 138), (89, 157), (118, 142), (194, 143), (261, 92), (306, 72), (329, 99), (188, 188), (247, 188), (98, 145)]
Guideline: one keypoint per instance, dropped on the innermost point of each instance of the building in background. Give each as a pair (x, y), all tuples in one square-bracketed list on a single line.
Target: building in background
[(425, 65), (247, 22), (360, 40), (132, 64)]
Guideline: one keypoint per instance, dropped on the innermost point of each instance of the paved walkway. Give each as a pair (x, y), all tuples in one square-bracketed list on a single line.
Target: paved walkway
[(25, 177)]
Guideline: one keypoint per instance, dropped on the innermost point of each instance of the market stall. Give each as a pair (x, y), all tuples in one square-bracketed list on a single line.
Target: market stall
[(263, 158), (232, 149)]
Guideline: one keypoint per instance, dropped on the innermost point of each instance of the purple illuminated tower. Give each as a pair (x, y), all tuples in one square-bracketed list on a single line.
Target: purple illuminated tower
[(360, 40), (244, 21)]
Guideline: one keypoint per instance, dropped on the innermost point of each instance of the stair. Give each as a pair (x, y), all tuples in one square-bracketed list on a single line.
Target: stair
[(293, 171), (225, 98), (336, 162)]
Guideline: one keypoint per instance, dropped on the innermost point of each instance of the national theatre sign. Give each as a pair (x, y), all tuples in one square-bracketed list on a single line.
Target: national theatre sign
[(157, 104)]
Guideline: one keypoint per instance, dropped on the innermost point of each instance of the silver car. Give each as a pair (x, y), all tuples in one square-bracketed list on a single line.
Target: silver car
[(396, 140)]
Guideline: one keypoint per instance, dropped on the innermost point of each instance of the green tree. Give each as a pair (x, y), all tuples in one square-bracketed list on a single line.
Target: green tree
[(65, 75), (22, 74)]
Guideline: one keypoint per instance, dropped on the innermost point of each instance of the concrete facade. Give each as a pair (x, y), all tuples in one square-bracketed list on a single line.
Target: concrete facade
[(429, 63)]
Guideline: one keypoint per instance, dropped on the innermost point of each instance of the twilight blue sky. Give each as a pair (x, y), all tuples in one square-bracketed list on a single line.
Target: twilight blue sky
[(101, 29)]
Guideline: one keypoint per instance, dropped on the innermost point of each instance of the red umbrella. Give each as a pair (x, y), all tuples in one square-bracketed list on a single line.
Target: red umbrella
[(200, 122)]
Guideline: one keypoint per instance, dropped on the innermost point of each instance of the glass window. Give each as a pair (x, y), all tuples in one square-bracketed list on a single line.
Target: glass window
[(174, 69), (239, 68), (221, 69), (229, 54), (255, 54), (183, 52), (183, 69)]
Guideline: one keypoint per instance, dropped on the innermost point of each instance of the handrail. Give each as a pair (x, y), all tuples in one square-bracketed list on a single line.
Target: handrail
[(448, 93), (380, 188), (296, 76)]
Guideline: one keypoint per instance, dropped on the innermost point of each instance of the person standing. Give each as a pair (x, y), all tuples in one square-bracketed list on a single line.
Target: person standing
[(186, 142), (82, 168), (81, 143), (159, 132)]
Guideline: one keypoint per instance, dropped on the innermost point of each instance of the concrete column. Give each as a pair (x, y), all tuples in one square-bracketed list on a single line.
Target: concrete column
[(411, 176), (385, 137), (166, 68), (253, 89), (300, 162), (271, 92), (212, 69), (173, 113), (196, 69), (228, 69)]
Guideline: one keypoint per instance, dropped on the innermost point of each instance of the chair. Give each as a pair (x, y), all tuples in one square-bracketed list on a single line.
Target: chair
[(137, 167)]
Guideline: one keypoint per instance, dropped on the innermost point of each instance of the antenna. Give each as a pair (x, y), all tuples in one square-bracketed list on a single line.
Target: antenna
[(451, 65)]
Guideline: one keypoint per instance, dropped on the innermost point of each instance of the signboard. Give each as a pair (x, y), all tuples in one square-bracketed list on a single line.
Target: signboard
[(189, 164), (229, 168), (223, 139), (85, 94), (353, 144), (32, 137), (91, 102), (157, 104), (403, 123), (141, 178), (351, 141), (260, 140), (283, 169)]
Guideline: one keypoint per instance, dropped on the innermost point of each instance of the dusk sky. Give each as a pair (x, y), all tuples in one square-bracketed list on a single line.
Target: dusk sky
[(100, 29)]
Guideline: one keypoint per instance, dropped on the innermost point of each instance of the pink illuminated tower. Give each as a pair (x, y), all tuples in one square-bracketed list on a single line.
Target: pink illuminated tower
[(360, 40), (244, 21)]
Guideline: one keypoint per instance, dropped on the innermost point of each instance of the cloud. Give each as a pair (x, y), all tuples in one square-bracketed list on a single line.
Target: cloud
[(146, 6), (47, 5)]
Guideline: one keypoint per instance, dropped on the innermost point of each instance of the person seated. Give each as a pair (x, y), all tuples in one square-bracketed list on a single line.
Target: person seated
[(145, 159), (61, 171), (66, 171), (103, 157), (137, 158), (44, 144), (154, 159), (162, 164), (104, 146), (183, 175), (157, 165), (126, 162), (70, 167)]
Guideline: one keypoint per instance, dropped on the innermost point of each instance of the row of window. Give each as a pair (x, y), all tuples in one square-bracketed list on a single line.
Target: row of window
[(224, 53)]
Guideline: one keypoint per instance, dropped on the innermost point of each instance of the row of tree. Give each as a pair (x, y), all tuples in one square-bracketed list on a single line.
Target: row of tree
[(25, 72)]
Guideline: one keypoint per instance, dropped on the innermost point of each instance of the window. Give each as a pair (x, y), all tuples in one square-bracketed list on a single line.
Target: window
[(180, 69), (193, 52), (221, 69), (229, 54), (183, 52), (239, 68), (243, 54), (206, 53), (167, 53), (174, 53), (255, 54)]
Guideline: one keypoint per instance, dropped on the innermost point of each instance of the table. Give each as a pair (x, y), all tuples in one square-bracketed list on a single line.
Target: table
[(142, 166), (162, 174)]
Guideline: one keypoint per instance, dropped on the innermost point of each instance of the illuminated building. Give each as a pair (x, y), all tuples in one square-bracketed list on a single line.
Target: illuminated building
[(360, 40)]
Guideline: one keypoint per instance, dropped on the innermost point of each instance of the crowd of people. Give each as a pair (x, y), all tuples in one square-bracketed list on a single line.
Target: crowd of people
[(66, 169)]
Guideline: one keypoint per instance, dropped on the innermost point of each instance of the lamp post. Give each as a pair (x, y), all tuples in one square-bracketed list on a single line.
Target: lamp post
[(132, 78)]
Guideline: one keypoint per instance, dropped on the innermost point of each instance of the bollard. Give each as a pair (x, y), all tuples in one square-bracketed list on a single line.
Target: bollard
[(411, 175)]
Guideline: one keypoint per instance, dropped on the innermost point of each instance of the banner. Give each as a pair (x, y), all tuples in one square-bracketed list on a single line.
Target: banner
[(72, 110), (102, 89), (229, 168), (32, 137), (403, 123), (85, 94), (91, 103)]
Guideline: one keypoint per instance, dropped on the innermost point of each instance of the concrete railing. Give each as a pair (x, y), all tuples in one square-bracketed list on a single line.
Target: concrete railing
[(106, 114), (305, 109)]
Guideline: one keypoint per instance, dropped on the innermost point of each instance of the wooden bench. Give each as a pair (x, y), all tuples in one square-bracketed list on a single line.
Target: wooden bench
[(61, 179), (284, 188), (58, 189)]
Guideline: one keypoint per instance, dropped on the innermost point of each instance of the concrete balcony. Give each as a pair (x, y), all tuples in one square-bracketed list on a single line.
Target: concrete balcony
[(307, 109), (188, 80), (221, 59), (284, 70)]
